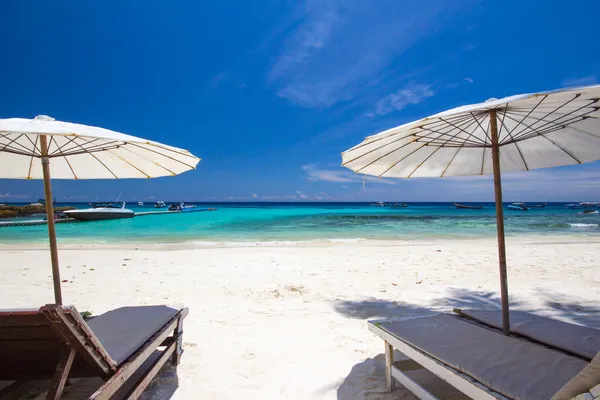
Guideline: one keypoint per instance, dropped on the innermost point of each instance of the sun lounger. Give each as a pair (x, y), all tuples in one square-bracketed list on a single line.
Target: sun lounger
[(56, 343), (579, 340), (481, 362)]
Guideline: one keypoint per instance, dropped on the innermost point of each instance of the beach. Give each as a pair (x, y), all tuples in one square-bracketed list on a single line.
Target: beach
[(289, 320)]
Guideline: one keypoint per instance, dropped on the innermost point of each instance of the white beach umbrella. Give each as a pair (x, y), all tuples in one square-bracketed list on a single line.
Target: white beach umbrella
[(517, 133), (29, 146)]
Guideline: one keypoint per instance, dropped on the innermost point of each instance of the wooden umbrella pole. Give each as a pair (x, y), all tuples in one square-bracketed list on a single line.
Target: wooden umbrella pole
[(500, 222), (50, 219)]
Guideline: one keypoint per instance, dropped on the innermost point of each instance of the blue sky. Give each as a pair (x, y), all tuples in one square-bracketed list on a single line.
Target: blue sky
[(269, 93)]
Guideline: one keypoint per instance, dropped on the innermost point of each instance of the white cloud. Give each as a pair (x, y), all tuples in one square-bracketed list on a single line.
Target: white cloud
[(254, 196), (217, 79), (410, 94), (581, 81), (301, 195), (13, 196), (315, 174), (331, 49), (469, 80), (75, 197)]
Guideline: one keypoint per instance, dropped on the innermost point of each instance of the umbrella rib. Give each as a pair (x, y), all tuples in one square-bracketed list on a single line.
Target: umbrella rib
[(101, 147), (148, 143), (545, 129), (568, 153), (550, 113), (435, 151), (509, 134), (485, 131), (147, 159), (462, 147), (70, 167), (470, 135), (400, 160), (411, 153), (70, 140), (127, 162), (14, 142), (387, 154), (572, 119), (164, 155), (377, 148), (406, 135), (32, 157), (81, 146), (453, 157), (59, 150), (104, 165), (50, 143), (474, 143), (487, 136), (530, 111)]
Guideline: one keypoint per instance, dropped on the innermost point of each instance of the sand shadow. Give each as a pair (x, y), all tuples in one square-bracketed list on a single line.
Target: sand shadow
[(366, 380), (377, 308)]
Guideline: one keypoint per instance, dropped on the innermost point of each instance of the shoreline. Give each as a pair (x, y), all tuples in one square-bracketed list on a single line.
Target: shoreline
[(523, 239)]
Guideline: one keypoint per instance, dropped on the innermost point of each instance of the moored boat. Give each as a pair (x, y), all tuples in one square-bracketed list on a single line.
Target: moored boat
[(101, 211), (398, 205), (539, 205), (518, 207), (478, 207), (160, 204), (179, 206)]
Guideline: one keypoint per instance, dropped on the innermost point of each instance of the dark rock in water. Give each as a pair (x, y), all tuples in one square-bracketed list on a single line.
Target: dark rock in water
[(24, 211)]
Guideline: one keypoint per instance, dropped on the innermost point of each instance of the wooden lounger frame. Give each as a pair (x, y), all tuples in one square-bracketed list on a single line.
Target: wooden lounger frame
[(419, 360), (60, 329)]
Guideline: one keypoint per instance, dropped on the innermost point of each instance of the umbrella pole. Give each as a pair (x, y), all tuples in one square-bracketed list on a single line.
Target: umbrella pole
[(500, 222), (50, 219)]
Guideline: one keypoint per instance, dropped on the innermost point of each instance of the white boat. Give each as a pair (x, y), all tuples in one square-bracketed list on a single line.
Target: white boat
[(160, 204), (101, 211), (140, 203), (181, 207), (518, 206)]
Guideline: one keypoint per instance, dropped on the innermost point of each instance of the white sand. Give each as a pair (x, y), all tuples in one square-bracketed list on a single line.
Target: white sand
[(288, 321)]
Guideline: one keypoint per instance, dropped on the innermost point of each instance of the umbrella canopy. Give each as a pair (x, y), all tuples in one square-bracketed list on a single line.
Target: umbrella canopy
[(517, 133), (29, 146), (84, 152)]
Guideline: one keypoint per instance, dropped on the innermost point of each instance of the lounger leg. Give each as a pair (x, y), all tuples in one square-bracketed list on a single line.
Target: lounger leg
[(60, 376), (389, 360), (178, 334)]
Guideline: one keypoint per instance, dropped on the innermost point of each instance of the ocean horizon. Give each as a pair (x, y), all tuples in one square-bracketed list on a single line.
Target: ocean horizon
[(287, 222)]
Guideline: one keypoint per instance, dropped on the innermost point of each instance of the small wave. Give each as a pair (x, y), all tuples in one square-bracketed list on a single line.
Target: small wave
[(584, 225), (353, 240)]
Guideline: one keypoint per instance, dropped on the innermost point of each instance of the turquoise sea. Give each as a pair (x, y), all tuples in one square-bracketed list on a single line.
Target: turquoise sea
[(284, 222)]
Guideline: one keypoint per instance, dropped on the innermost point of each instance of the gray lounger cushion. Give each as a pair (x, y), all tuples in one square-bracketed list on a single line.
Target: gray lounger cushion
[(576, 339), (510, 366), (124, 330)]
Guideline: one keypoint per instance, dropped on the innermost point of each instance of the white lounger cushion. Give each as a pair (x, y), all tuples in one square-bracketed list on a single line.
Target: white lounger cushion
[(513, 367), (124, 330), (576, 339)]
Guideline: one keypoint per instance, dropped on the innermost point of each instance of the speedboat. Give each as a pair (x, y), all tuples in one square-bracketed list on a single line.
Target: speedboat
[(101, 211), (574, 205), (379, 204), (468, 207), (181, 207), (160, 204), (140, 203), (539, 205), (518, 206), (398, 205)]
